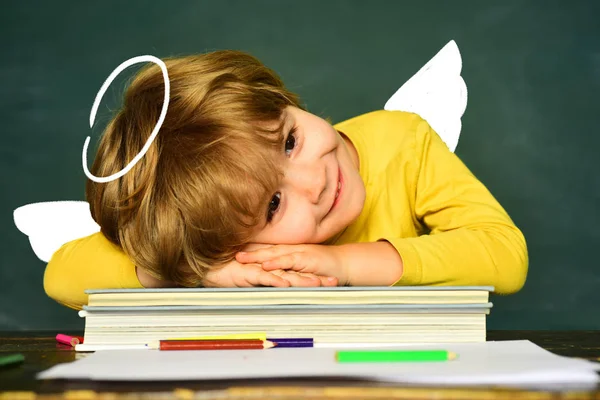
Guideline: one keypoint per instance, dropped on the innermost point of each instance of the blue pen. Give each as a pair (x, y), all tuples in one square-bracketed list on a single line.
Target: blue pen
[(292, 342)]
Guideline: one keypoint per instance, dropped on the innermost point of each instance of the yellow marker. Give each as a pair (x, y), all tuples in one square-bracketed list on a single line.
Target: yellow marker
[(233, 336)]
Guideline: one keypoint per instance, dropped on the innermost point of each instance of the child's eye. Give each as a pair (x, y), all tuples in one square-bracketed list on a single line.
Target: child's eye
[(273, 206), (290, 142)]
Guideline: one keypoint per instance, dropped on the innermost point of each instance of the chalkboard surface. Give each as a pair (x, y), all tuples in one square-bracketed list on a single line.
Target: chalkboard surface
[(530, 131)]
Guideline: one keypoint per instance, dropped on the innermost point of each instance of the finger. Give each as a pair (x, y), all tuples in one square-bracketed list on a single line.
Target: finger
[(288, 262), (299, 280), (328, 280), (265, 278), (265, 254), (255, 246), (253, 275)]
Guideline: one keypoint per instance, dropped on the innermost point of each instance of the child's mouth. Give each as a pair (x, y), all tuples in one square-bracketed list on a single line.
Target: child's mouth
[(339, 190)]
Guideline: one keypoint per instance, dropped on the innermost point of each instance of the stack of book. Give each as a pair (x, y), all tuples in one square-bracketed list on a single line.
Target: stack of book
[(338, 316)]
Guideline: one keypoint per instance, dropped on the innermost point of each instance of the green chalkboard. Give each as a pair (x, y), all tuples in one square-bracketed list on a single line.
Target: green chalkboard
[(530, 131)]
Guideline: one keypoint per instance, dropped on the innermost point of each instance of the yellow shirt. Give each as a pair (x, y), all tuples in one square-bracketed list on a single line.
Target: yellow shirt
[(444, 223), (446, 226)]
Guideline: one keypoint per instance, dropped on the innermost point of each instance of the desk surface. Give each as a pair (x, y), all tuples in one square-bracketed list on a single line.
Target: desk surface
[(42, 351)]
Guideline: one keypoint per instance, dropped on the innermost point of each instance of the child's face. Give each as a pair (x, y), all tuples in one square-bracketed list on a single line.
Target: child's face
[(314, 160)]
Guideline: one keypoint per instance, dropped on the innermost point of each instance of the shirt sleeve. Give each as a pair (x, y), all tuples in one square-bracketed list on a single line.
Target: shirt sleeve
[(92, 262), (471, 239)]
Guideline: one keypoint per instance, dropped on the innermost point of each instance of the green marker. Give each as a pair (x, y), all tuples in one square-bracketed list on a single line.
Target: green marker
[(11, 359), (363, 356)]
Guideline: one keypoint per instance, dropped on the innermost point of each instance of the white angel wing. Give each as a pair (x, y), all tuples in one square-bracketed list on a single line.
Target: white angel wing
[(437, 93), (49, 225)]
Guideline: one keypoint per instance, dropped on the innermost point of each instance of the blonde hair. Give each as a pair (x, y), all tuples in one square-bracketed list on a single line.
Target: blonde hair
[(197, 195)]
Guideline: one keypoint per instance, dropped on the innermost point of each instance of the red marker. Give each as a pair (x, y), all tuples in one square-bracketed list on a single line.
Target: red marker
[(69, 340), (213, 344)]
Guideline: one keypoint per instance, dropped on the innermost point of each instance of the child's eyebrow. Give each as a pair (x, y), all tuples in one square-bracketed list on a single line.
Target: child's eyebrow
[(288, 122)]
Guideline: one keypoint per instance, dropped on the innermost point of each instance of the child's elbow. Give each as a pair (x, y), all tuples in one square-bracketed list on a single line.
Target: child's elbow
[(513, 265), (56, 284)]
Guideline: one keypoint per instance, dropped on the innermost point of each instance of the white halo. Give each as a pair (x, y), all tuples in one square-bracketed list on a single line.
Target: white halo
[(163, 113)]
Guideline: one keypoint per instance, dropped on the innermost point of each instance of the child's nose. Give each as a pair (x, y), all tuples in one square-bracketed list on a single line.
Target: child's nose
[(311, 181)]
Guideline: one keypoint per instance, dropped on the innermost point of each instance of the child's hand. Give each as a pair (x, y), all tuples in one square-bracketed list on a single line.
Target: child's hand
[(235, 274), (320, 260)]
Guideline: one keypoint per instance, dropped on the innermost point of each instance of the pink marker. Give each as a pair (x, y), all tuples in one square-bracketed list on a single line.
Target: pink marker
[(69, 340)]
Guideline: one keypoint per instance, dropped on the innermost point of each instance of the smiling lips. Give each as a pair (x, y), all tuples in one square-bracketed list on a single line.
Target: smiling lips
[(339, 190)]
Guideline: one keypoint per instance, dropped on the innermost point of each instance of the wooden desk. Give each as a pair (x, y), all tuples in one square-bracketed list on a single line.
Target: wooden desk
[(41, 352)]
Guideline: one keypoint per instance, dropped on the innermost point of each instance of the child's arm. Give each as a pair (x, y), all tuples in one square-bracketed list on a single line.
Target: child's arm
[(92, 262), (472, 240)]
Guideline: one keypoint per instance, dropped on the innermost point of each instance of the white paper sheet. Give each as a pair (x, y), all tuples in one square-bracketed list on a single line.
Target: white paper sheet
[(509, 363)]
